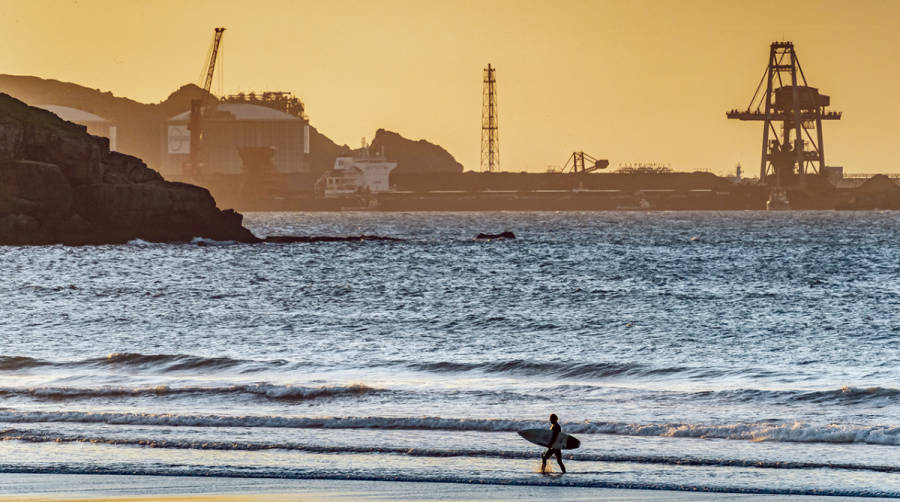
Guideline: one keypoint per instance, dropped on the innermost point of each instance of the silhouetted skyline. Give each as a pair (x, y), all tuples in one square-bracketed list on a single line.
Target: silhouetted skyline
[(624, 80)]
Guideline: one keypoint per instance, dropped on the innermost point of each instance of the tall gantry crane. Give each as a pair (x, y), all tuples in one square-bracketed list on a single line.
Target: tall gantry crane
[(197, 105), (799, 108)]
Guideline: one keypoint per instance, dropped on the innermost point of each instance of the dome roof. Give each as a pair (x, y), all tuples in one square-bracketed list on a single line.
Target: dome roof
[(72, 114), (238, 111)]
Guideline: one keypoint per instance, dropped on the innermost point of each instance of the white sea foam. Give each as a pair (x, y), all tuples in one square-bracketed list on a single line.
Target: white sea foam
[(203, 241), (43, 436), (779, 432), (710, 486), (139, 242)]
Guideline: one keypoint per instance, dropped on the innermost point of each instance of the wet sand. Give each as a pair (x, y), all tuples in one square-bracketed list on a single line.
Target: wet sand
[(87, 487)]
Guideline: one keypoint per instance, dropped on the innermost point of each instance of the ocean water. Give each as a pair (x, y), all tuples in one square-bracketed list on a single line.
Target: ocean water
[(743, 351)]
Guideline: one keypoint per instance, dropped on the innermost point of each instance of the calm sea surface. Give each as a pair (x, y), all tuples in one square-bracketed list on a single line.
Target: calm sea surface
[(751, 351)]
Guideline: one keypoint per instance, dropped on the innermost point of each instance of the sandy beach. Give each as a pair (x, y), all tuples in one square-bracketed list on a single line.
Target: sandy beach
[(84, 487)]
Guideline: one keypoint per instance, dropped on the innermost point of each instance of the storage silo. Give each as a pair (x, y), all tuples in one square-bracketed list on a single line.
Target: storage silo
[(230, 127)]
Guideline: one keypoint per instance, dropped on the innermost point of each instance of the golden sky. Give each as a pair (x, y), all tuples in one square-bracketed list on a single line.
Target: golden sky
[(625, 80)]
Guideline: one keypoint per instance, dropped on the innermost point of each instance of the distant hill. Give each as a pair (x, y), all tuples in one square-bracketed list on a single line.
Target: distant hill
[(414, 156), (140, 125)]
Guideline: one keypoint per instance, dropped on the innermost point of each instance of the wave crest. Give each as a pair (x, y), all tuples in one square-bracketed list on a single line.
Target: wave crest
[(569, 370), (205, 444), (263, 390), (12, 363), (760, 431)]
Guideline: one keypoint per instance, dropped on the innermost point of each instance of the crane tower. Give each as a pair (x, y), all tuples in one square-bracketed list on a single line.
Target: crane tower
[(490, 136), (197, 105), (793, 152)]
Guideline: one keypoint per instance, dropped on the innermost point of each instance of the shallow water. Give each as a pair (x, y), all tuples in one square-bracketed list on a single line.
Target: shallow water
[(714, 351)]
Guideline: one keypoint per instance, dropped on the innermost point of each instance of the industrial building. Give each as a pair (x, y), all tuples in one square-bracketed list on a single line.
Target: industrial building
[(96, 125), (230, 127)]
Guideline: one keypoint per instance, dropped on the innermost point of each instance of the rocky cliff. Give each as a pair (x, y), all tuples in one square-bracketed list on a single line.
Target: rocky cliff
[(59, 184), (414, 156)]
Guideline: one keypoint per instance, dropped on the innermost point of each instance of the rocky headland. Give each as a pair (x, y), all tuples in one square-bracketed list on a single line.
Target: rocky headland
[(413, 156), (60, 185)]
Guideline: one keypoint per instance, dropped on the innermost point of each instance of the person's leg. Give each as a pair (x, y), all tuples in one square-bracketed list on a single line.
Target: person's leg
[(559, 460), (544, 458)]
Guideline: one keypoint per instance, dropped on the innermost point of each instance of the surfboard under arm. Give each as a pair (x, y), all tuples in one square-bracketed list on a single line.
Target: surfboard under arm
[(542, 437)]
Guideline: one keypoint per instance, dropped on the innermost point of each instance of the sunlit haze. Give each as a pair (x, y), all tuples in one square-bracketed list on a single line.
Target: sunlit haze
[(625, 80)]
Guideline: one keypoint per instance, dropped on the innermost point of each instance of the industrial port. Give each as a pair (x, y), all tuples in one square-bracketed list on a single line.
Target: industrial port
[(258, 151)]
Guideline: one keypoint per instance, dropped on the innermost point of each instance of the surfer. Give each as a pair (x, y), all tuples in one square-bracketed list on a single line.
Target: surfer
[(556, 429)]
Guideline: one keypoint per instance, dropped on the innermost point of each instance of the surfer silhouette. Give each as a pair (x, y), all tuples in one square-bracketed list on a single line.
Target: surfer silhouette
[(556, 429)]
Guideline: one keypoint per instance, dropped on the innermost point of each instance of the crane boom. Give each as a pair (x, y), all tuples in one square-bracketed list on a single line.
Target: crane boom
[(194, 166), (207, 83)]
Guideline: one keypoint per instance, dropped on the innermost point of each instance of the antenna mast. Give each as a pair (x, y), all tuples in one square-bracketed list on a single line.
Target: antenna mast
[(490, 137)]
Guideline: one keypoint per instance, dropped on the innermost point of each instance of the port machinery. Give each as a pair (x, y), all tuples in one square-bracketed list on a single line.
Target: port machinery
[(788, 99), (580, 162), (197, 105)]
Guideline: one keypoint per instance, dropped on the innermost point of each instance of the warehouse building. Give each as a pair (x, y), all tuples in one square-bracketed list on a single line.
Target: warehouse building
[(229, 129)]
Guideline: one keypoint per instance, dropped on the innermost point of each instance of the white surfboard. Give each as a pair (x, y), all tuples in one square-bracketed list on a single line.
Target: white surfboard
[(542, 437)]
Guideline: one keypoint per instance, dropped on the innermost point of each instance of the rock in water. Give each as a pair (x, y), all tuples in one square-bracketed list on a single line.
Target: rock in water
[(60, 185), (502, 235)]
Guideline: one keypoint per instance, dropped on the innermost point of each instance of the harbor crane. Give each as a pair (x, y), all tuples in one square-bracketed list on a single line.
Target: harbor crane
[(788, 99), (580, 162), (197, 105)]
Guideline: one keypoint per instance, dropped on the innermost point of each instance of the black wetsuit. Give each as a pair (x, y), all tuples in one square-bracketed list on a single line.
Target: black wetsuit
[(553, 451)]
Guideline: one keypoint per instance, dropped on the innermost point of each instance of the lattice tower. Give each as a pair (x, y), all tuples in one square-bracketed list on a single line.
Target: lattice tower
[(490, 134)]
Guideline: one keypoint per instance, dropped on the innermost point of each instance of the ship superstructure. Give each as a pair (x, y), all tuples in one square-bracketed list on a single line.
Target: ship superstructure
[(358, 175)]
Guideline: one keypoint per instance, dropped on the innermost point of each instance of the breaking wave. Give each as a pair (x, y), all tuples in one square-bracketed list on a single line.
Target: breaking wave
[(847, 395), (13, 363), (269, 391), (569, 370), (744, 431), (397, 476), (157, 362), (185, 444), (591, 370)]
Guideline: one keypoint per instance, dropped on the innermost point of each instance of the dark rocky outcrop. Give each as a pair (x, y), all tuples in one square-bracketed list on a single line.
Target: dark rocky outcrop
[(414, 156), (59, 184), (490, 237)]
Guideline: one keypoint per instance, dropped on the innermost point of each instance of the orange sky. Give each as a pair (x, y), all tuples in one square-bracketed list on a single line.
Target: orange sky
[(624, 80)]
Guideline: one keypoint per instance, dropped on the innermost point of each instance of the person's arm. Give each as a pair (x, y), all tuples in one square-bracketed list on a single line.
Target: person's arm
[(553, 437)]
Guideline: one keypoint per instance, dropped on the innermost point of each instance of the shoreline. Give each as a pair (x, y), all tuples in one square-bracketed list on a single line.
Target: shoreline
[(32, 487), (24, 485)]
